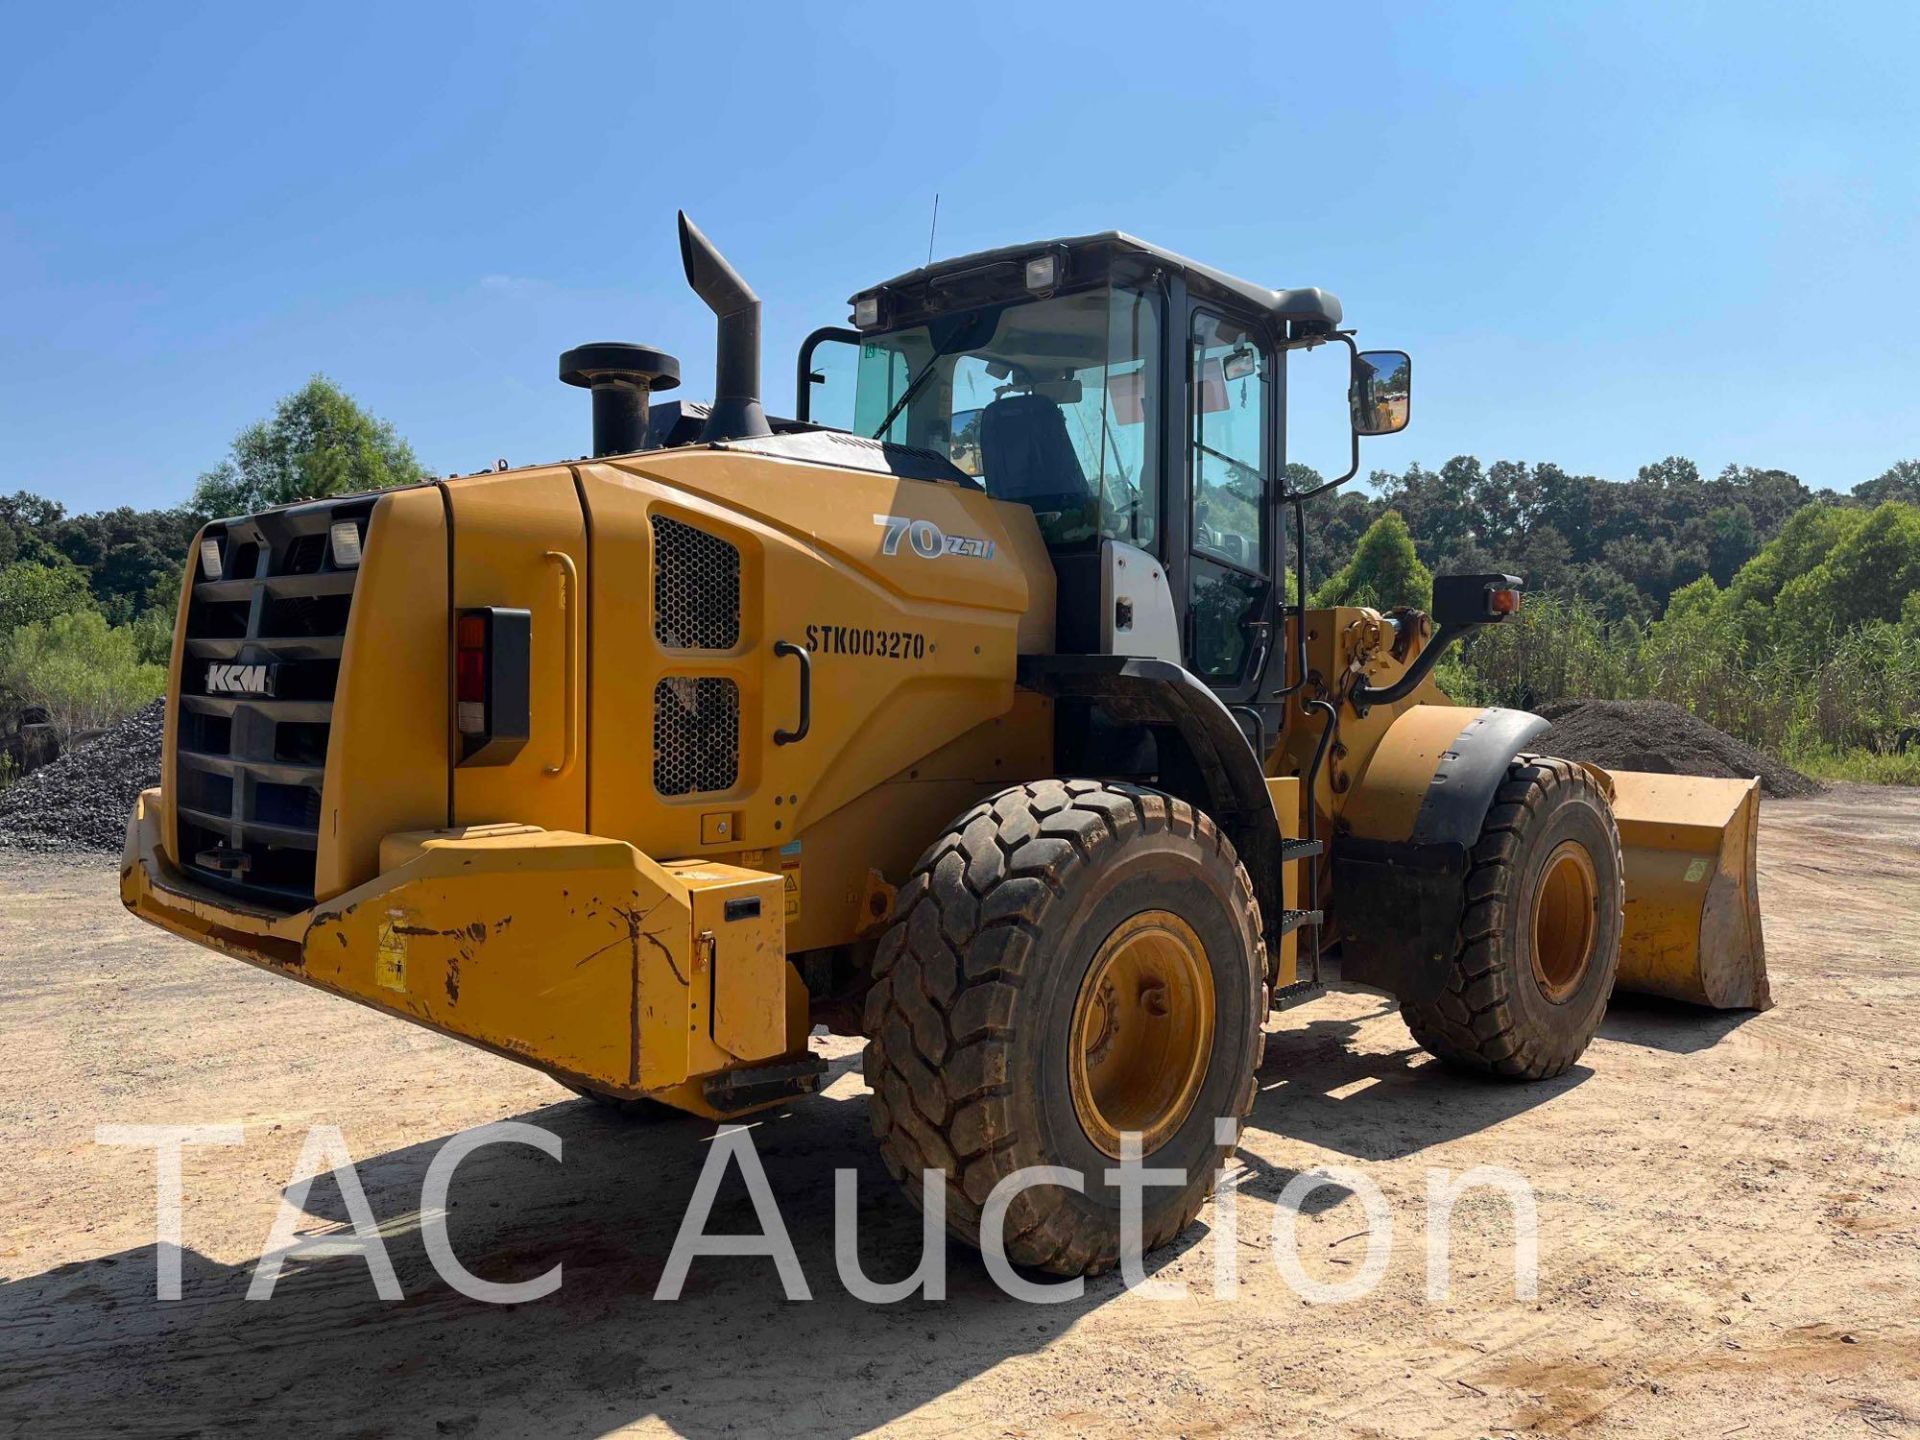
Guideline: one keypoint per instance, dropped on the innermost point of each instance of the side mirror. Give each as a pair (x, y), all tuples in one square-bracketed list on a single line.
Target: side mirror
[(824, 382), (963, 441), (1380, 391)]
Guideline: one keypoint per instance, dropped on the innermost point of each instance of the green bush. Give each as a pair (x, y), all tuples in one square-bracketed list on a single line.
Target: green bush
[(87, 673), (1385, 571), (153, 637), (86, 601), (30, 592), (319, 442), (1558, 647), (1840, 703)]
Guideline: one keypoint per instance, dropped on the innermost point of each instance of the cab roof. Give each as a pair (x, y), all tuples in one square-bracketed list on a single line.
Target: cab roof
[(1309, 311)]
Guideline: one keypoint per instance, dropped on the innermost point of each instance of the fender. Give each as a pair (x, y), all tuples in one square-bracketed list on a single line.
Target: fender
[(1163, 696), (1401, 858)]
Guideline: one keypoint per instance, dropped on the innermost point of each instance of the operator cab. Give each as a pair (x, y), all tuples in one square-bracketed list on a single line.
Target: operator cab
[(1127, 395)]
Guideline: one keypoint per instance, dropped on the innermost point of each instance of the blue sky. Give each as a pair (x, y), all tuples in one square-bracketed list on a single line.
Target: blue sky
[(1607, 233)]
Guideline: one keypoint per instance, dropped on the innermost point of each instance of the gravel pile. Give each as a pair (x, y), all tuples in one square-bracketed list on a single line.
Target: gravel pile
[(1665, 739), (81, 801)]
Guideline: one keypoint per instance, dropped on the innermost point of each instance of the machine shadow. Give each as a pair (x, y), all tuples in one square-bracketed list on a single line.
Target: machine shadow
[(1674, 1026), (88, 1349), (1317, 1088)]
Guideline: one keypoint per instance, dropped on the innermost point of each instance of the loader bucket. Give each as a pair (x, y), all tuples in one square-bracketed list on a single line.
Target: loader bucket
[(1693, 898)]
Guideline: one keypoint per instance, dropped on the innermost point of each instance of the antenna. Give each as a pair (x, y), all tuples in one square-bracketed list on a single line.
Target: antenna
[(934, 226)]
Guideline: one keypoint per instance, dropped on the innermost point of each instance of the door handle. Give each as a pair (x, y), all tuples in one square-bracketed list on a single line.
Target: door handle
[(569, 598), (784, 648), (1262, 638)]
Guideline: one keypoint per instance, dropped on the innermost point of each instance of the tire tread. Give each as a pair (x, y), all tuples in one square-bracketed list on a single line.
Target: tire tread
[(943, 1016), (1474, 1025)]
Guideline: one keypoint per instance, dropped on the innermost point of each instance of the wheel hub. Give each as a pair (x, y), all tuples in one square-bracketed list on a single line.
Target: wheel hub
[(1142, 1032), (1565, 920)]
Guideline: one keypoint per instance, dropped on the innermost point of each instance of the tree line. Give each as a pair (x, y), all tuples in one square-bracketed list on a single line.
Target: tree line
[(87, 601), (1794, 626), (1784, 614), (1624, 547)]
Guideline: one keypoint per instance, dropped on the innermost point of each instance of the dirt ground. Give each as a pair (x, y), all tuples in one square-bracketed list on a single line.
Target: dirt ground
[(1729, 1219)]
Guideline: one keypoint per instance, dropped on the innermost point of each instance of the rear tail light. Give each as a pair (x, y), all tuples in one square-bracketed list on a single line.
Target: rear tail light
[(470, 670), (491, 685)]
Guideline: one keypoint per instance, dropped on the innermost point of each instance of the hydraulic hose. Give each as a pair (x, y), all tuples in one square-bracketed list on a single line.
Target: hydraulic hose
[(1364, 696)]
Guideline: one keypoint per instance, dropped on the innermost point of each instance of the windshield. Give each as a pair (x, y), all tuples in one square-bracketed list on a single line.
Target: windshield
[(1052, 403)]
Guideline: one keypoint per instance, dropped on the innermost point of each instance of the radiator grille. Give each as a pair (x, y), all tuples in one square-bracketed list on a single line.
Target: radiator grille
[(696, 735), (250, 766), (696, 588)]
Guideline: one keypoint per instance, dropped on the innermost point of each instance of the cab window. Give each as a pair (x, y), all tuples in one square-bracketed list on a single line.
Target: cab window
[(1228, 387), (1227, 383), (1052, 403), (880, 380)]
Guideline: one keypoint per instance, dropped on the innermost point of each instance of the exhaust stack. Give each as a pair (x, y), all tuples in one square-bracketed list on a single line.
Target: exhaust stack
[(736, 413)]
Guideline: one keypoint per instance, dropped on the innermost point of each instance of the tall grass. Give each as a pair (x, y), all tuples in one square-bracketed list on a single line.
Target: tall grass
[(1864, 766), (87, 673), (1849, 696)]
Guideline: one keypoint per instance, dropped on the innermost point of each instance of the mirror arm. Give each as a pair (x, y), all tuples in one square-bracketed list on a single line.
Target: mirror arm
[(1468, 603), (803, 368)]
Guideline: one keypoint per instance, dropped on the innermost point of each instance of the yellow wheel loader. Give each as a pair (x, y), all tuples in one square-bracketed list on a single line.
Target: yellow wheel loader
[(977, 724)]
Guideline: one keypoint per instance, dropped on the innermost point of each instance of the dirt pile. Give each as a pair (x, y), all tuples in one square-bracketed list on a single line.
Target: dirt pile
[(81, 801), (1657, 736)]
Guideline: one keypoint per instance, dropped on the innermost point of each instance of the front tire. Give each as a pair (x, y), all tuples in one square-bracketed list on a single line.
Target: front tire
[(1071, 961), (1539, 941)]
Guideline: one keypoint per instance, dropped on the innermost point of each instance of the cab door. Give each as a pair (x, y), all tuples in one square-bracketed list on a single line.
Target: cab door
[(1229, 470)]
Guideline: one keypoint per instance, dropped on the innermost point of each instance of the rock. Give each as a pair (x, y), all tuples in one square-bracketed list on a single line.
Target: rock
[(81, 801), (39, 744)]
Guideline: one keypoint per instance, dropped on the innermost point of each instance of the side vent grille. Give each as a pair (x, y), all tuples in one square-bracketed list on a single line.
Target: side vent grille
[(696, 588), (696, 734)]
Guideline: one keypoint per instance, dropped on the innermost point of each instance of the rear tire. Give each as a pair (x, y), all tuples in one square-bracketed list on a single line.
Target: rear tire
[(1539, 940), (1071, 960)]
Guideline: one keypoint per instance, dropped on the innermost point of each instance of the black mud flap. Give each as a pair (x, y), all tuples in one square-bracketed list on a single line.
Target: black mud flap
[(1399, 902), (1399, 909)]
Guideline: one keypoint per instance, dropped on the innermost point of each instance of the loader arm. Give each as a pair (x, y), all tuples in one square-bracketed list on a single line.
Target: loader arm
[(1692, 927)]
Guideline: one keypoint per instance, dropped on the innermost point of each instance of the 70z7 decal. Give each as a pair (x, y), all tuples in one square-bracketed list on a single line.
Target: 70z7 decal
[(879, 644), (928, 540)]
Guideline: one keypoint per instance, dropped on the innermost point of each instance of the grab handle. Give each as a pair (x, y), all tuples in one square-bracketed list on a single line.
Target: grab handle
[(569, 598), (783, 648)]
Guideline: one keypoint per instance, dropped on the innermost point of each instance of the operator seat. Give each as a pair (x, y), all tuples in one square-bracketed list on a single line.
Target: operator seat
[(1027, 456)]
